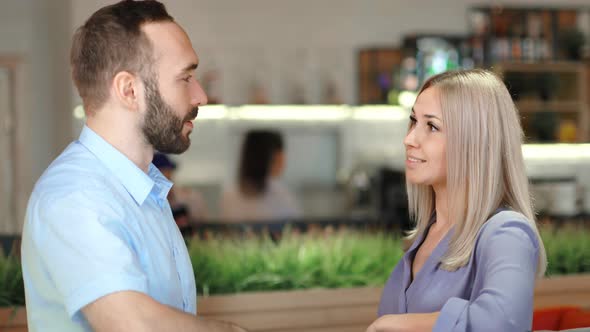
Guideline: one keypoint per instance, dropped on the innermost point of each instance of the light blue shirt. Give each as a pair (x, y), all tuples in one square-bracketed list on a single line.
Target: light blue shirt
[(493, 292), (97, 224)]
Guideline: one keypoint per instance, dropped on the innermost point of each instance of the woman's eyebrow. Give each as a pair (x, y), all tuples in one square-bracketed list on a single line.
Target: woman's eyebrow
[(428, 116)]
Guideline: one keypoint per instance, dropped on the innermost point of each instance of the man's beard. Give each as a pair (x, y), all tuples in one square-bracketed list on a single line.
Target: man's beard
[(161, 127)]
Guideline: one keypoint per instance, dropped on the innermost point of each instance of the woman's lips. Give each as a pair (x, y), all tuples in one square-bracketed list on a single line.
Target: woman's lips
[(414, 159), (412, 162)]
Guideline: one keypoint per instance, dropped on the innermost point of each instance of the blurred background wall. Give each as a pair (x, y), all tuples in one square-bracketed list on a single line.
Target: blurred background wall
[(269, 41)]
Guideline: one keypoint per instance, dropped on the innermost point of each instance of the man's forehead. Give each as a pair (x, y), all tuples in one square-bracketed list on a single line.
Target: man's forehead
[(169, 39), (161, 28)]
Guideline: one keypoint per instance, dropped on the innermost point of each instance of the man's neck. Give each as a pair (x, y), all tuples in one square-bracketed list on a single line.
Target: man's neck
[(126, 137)]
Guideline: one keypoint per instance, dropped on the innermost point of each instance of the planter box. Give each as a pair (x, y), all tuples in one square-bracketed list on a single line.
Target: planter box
[(349, 310), (343, 310), (563, 290), (13, 319), (325, 310)]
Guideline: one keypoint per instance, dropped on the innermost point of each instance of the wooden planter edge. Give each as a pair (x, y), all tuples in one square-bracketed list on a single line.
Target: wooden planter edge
[(549, 291)]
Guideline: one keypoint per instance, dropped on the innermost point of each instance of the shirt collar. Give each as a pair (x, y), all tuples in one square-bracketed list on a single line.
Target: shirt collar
[(420, 237), (137, 183), (162, 184)]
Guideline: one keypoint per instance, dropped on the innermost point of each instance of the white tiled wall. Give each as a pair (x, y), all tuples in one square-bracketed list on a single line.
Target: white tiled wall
[(316, 153), (321, 154)]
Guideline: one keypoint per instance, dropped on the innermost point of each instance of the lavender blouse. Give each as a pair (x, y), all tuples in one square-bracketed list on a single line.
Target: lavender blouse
[(493, 292)]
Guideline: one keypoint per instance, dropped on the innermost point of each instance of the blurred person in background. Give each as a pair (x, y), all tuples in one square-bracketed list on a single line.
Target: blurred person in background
[(188, 206), (476, 248), (100, 249), (258, 194)]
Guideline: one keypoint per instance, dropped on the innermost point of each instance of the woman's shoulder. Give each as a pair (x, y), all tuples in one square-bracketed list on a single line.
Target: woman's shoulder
[(277, 186), (507, 226), (278, 190), (505, 218)]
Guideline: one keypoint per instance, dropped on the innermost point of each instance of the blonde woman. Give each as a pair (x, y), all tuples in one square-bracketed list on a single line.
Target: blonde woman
[(476, 249)]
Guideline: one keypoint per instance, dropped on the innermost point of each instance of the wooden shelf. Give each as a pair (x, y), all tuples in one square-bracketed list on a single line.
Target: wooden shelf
[(573, 81), (540, 67), (549, 106)]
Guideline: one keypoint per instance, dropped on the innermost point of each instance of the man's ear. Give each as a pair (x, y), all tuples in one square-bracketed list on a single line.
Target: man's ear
[(126, 88)]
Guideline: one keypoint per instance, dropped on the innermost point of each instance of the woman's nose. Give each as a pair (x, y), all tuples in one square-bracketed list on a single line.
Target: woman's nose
[(411, 139)]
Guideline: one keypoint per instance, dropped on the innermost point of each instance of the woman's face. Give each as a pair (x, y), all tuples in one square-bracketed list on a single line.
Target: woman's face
[(277, 165), (426, 162)]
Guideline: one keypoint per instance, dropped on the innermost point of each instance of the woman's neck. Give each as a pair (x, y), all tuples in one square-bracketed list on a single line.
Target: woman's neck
[(441, 204)]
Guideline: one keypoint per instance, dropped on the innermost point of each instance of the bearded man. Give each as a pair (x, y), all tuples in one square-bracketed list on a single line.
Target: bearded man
[(100, 249)]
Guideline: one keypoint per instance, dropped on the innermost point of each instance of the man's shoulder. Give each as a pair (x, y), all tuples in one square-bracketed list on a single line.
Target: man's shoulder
[(74, 170)]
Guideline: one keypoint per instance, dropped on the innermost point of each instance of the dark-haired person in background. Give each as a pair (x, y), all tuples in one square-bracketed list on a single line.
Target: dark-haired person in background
[(188, 205), (100, 249), (258, 194)]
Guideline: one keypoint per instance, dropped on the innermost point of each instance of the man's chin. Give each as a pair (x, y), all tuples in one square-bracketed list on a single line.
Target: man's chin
[(178, 148), (186, 143)]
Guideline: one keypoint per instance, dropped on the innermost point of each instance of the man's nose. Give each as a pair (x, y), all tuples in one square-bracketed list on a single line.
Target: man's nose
[(198, 95)]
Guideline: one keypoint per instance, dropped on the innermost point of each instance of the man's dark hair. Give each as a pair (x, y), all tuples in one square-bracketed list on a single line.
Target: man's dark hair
[(258, 151), (109, 42)]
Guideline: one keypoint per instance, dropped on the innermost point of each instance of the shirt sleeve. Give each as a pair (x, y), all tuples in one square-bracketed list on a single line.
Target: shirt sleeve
[(86, 249), (504, 286)]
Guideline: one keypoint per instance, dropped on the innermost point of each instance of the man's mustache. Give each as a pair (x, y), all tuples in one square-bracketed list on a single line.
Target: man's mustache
[(192, 114)]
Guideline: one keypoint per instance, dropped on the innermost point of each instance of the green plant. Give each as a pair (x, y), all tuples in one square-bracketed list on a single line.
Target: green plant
[(12, 290), (568, 250), (344, 259), (572, 40), (340, 260)]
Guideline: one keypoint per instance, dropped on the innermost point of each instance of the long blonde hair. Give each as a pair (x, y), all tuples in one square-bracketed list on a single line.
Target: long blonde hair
[(484, 161)]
